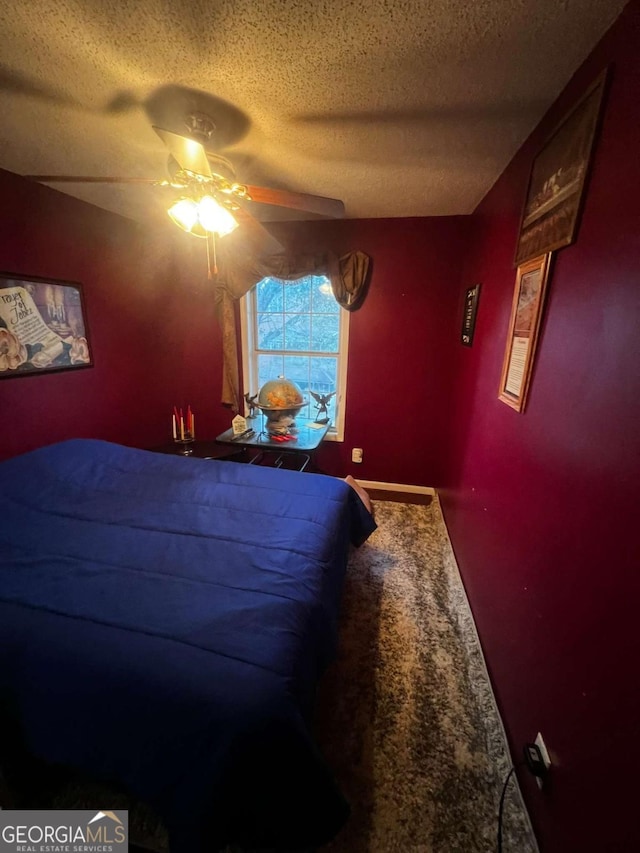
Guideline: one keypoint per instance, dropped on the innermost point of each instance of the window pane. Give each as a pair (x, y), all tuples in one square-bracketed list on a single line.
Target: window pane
[(296, 368), (325, 330), (324, 372), (297, 296), (297, 331), (269, 367), (322, 298), (270, 331), (269, 295)]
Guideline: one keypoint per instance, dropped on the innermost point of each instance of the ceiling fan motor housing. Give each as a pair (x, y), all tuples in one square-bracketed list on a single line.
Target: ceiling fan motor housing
[(200, 126)]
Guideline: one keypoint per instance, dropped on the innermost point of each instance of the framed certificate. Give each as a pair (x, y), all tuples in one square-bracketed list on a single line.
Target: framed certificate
[(524, 325)]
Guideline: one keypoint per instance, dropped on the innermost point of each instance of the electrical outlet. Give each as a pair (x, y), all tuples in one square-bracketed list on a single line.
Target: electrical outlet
[(539, 742), (356, 455)]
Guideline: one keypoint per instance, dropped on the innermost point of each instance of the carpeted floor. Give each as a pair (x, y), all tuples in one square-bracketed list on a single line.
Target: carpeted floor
[(406, 716)]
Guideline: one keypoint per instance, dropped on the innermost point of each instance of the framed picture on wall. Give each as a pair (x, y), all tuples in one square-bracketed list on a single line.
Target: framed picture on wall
[(558, 179), (524, 326), (469, 314), (42, 326)]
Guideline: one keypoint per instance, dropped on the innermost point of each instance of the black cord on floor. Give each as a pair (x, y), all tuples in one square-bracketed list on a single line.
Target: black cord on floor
[(502, 796), (501, 808)]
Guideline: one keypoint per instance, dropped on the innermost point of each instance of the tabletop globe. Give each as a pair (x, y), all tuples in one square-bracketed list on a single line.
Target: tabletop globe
[(280, 400)]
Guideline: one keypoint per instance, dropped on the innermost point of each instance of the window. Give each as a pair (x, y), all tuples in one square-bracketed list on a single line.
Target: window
[(297, 329)]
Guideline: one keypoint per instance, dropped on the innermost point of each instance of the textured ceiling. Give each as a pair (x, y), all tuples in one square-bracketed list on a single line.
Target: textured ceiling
[(398, 107)]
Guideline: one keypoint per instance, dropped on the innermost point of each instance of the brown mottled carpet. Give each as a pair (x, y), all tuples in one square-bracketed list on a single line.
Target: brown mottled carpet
[(406, 716)]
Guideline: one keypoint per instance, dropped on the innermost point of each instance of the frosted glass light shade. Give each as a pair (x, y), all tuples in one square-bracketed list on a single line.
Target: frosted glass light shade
[(184, 213), (215, 218)]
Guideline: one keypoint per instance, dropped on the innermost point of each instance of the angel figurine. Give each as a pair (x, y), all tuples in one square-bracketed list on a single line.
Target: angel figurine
[(251, 403), (322, 401)]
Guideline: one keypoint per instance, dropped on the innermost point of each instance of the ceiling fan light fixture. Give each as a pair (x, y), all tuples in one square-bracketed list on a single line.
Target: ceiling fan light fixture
[(214, 217), (184, 213)]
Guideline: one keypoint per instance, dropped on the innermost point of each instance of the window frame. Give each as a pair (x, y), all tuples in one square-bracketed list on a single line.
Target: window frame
[(250, 361)]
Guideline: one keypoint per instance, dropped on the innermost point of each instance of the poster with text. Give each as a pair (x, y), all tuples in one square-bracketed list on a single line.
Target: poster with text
[(42, 327)]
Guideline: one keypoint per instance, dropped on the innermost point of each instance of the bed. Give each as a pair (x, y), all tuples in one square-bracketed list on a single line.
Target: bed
[(164, 623)]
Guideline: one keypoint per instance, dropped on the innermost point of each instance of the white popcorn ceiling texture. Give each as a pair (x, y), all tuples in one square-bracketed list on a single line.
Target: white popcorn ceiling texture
[(398, 107)]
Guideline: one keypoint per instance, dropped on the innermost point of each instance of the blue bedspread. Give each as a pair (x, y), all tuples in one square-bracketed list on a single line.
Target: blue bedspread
[(163, 623)]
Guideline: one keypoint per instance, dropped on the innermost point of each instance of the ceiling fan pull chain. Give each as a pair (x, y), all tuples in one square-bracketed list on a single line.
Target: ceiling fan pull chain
[(211, 255)]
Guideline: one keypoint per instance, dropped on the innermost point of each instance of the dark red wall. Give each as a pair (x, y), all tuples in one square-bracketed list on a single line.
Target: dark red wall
[(150, 313), (542, 507), (401, 344)]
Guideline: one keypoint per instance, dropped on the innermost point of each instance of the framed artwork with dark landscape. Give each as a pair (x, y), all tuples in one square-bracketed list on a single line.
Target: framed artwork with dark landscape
[(558, 176), (469, 315), (42, 326), (524, 325)]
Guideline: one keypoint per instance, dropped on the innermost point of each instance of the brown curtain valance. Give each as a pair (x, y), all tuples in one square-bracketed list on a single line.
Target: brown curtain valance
[(238, 273)]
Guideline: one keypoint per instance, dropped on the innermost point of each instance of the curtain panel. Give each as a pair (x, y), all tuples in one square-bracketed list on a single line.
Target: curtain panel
[(238, 273)]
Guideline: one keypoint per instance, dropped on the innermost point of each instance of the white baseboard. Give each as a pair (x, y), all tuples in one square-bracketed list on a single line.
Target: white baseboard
[(396, 487)]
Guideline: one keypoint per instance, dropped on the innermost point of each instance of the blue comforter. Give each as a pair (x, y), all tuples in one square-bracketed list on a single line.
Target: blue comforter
[(163, 623)]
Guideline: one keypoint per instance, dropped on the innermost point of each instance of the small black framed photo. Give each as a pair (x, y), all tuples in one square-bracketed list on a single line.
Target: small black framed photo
[(469, 315)]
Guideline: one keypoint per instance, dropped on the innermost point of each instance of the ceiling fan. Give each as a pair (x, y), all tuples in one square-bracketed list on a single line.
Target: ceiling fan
[(207, 200)]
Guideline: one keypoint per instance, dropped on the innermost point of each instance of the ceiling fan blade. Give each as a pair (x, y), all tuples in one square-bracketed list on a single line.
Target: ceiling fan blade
[(254, 232), (331, 207), (86, 179), (190, 154)]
